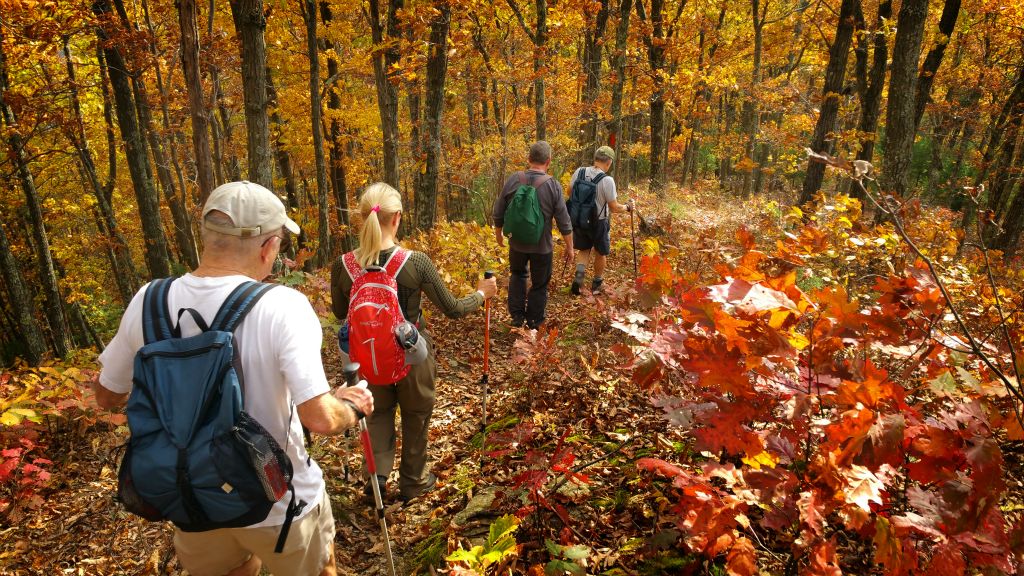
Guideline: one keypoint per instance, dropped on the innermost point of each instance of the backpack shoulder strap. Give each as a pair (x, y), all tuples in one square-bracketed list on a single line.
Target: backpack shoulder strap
[(523, 178), (540, 181), (352, 265), (599, 177), (238, 304), (397, 260), (156, 325)]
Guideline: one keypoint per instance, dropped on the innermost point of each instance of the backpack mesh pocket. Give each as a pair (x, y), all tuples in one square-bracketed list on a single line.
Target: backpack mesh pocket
[(259, 451), (129, 495)]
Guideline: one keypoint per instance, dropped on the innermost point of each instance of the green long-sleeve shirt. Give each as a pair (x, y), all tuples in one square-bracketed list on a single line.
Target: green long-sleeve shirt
[(419, 276)]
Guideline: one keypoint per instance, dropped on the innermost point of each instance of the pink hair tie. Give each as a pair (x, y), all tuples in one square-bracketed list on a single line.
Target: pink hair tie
[(376, 208)]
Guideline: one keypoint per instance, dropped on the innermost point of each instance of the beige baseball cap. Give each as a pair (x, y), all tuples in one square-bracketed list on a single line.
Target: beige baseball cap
[(254, 210), (605, 151)]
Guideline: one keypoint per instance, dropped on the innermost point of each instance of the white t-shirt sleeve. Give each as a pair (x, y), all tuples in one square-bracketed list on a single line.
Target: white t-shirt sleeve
[(607, 186), (299, 336), (118, 358)]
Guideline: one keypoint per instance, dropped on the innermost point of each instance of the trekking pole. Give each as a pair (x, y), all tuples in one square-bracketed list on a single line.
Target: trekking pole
[(632, 235), (487, 349), (351, 377)]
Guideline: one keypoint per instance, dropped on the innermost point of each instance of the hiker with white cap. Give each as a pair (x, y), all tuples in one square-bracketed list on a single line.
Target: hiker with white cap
[(592, 200), (278, 341)]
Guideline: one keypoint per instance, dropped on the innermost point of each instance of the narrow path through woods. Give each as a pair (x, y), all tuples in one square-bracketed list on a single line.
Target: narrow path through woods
[(581, 390)]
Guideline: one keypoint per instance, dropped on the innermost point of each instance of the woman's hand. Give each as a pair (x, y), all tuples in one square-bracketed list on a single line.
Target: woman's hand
[(488, 287)]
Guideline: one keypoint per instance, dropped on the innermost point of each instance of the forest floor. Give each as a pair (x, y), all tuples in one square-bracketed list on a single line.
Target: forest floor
[(569, 384)]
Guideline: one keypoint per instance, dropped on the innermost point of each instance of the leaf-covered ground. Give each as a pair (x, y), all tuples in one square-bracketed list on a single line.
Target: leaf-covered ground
[(567, 419)]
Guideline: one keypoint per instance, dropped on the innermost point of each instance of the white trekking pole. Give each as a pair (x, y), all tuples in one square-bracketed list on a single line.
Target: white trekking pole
[(352, 378)]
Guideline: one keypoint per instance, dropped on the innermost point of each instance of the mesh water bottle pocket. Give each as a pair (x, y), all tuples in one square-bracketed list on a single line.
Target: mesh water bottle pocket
[(268, 466), (129, 495)]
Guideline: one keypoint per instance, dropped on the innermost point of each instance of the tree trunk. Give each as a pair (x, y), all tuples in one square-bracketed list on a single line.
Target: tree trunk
[(437, 70), (751, 105), (656, 59), (20, 298), (123, 269), (250, 22), (223, 134), (284, 162), (539, 37), (618, 66), (194, 88), (323, 252), (337, 144), (157, 259), (592, 61), (385, 57), (899, 115), (932, 61), (834, 77), (44, 259)]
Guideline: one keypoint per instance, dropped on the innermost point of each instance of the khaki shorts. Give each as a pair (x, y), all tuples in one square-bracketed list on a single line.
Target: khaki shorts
[(217, 552)]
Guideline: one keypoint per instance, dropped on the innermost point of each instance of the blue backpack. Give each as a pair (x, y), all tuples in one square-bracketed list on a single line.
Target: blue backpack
[(582, 202), (194, 456)]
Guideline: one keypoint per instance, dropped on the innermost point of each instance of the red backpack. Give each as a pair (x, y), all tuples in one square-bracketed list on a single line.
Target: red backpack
[(373, 314)]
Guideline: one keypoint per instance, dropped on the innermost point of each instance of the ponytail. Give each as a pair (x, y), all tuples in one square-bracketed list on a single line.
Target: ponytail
[(379, 201)]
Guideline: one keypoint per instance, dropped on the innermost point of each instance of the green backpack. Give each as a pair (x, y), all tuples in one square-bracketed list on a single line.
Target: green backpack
[(524, 221)]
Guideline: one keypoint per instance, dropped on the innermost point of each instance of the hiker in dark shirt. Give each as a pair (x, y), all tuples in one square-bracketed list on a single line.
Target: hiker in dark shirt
[(381, 210), (529, 307)]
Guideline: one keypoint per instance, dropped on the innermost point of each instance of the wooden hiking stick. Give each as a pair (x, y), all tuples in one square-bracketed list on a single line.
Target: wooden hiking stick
[(632, 235), (487, 349)]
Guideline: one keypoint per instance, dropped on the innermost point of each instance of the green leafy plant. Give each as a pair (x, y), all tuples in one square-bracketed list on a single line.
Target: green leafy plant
[(499, 547), (566, 559)]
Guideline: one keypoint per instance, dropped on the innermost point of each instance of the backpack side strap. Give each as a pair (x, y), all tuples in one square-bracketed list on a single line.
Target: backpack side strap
[(238, 304), (352, 265), (155, 323), (541, 181), (396, 261)]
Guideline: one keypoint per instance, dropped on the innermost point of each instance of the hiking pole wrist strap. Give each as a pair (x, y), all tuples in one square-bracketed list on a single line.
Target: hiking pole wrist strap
[(356, 411)]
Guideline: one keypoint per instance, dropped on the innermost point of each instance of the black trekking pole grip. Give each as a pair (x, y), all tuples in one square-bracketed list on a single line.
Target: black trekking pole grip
[(488, 274)]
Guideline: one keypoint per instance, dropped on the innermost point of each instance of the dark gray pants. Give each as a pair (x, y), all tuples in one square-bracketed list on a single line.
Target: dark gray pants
[(523, 305)]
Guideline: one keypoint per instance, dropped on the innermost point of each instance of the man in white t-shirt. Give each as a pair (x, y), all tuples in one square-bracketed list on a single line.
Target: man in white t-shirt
[(597, 237), (245, 227)]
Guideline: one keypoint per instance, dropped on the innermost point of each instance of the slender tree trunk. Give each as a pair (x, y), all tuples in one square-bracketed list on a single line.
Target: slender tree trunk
[(834, 78), (618, 66), (157, 259), (656, 59), (539, 37), (284, 163), (437, 70), (158, 141), (337, 144), (223, 132), (870, 84), (385, 57), (323, 252), (44, 259), (932, 61), (592, 61), (124, 272), (196, 106), (900, 128), (250, 22), (20, 298)]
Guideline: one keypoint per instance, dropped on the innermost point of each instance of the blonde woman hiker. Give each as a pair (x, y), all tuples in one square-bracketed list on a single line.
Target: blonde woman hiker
[(416, 275)]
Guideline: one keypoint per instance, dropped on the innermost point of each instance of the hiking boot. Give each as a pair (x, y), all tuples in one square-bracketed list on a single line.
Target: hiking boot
[(517, 322), (575, 288), (431, 482), (596, 287), (368, 490)]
